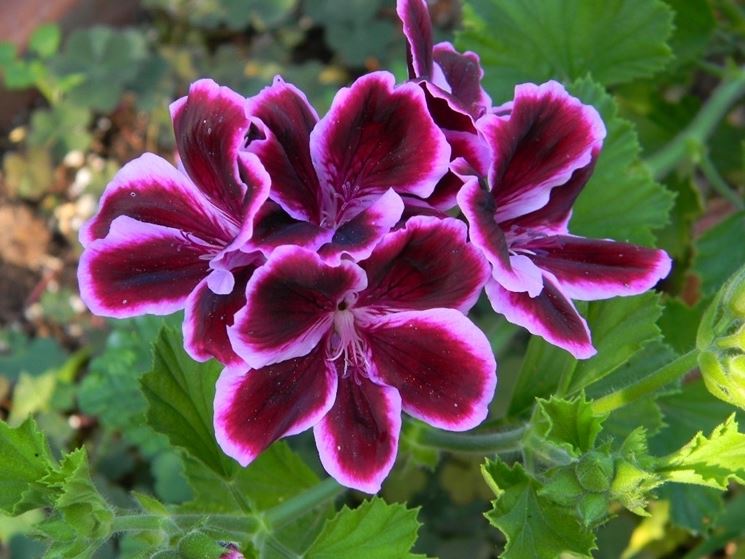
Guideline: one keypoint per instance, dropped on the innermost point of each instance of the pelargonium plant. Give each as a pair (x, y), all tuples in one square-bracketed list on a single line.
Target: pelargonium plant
[(285, 237), (332, 264)]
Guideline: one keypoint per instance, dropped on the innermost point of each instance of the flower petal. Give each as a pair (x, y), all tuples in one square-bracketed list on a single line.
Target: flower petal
[(358, 439), (288, 119), (547, 136), (549, 315), (139, 268), (414, 14), (425, 265), (208, 316), (463, 73), (290, 302), (590, 269), (254, 408), (375, 137), (515, 272), (553, 218), (274, 227), (357, 238), (151, 190), (210, 124), (440, 363)]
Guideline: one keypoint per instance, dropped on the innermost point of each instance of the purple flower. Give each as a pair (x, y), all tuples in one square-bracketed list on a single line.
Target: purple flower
[(544, 149), (164, 239), (452, 84), (336, 182), (345, 348)]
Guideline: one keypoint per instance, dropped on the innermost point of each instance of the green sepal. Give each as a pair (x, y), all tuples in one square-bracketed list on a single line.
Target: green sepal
[(198, 545)]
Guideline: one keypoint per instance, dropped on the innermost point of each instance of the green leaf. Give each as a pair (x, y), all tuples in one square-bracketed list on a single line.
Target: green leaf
[(570, 423), (31, 356), (713, 264), (694, 26), (374, 530), (692, 507), (712, 461), (45, 40), (61, 129), (621, 201), (542, 367), (275, 476), (533, 40), (25, 460), (108, 59), (620, 328), (180, 392), (110, 391), (534, 525)]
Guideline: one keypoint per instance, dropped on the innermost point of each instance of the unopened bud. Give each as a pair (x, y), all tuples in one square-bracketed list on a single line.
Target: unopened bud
[(594, 472), (721, 342)]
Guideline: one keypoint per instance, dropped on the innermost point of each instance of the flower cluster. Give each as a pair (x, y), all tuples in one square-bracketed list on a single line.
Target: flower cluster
[(318, 259)]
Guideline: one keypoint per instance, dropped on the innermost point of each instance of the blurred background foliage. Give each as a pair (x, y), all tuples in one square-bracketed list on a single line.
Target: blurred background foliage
[(98, 96)]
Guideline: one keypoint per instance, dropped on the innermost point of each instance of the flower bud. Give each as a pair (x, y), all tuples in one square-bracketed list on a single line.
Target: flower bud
[(198, 545), (721, 341), (594, 472)]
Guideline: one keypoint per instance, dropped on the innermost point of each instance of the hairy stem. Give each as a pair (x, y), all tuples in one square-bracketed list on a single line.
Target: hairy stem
[(480, 443), (647, 385), (701, 127), (300, 504)]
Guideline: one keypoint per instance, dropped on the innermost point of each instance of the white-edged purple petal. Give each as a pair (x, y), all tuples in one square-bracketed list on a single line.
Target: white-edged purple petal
[(547, 136), (591, 269), (287, 119), (208, 316), (425, 265), (357, 238), (550, 315), (151, 190), (462, 72), (417, 27), (376, 136), (515, 272), (140, 268), (357, 440), (255, 407), (274, 227), (290, 305), (441, 364)]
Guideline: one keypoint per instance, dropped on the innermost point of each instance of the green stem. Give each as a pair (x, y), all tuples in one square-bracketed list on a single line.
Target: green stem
[(701, 127), (647, 385), (300, 504), (155, 522), (480, 443), (718, 183)]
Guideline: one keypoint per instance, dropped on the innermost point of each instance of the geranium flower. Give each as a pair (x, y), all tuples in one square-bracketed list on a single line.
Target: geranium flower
[(337, 180), (345, 348), (165, 238), (544, 147), (452, 84)]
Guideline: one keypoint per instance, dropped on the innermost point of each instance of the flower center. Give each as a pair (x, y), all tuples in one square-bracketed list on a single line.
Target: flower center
[(346, 343)]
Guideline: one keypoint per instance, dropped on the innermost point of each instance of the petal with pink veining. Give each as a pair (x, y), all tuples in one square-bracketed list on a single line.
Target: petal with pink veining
[(290, 305), (207, 318), (358, 439), (425, 265), (288, 119), (590, 269), (140, 268), (150, 189), (376, 136), (549, 315), (255, 407), (547, 136), (417, 27), (441, 364), (210, 124), (357, 238), (514, 271)]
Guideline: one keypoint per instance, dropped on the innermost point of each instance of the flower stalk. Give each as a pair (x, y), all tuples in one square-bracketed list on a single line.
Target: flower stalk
[(479, 443)]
